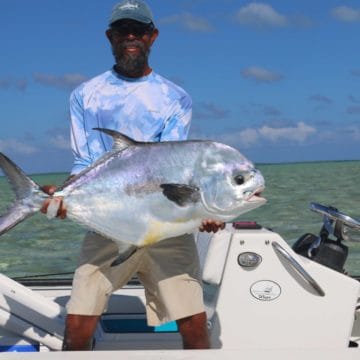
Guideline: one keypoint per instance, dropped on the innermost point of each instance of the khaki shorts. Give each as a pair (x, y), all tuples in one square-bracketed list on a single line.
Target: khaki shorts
[(169, 271)]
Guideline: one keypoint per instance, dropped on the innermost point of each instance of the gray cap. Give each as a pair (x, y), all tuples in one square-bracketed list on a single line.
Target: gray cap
[(131, 9)]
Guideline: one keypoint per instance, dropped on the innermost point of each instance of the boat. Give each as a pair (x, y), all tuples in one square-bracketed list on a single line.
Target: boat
[(264, 299)]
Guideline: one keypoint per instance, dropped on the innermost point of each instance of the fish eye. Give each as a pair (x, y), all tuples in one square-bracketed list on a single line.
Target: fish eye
[(239, 179)]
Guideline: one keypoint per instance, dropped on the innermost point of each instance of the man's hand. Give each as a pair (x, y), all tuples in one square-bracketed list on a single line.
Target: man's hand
[(209, 225), (56, 202)]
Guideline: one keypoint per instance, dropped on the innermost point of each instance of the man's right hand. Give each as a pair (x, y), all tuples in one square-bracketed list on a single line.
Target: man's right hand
[(50, 189)]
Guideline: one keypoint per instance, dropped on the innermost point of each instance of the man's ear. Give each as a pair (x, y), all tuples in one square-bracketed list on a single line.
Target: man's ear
[(154, 35), (108, 34)]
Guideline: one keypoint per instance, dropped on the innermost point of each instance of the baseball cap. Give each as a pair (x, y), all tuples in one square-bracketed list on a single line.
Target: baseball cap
[(131, 9)]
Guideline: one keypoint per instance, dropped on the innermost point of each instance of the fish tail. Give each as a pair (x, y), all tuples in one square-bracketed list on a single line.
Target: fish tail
[(29, 195)]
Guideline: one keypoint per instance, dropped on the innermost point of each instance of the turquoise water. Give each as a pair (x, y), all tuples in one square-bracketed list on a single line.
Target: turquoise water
[(41, 246)]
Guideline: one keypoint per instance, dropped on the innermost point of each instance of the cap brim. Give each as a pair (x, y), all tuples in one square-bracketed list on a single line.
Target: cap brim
[(131, 16)]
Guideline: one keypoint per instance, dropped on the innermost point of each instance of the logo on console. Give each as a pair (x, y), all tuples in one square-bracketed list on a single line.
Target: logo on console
[(265, 290)]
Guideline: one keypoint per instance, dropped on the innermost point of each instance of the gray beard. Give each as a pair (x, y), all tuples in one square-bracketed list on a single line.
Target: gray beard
[(130, 65)]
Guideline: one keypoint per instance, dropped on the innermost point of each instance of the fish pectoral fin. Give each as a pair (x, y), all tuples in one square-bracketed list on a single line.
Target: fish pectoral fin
[(125, 251), (181, 194)]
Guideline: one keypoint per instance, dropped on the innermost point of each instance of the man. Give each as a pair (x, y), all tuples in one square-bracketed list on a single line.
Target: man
[(136, 101)]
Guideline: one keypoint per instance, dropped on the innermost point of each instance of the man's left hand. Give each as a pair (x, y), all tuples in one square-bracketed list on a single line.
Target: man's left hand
[(209, 225)]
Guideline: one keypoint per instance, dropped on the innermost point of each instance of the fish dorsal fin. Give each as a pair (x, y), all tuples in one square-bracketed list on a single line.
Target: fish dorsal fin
[(121, 141)]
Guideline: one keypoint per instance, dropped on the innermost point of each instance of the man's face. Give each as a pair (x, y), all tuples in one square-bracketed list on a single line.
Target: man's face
[(131, 42)]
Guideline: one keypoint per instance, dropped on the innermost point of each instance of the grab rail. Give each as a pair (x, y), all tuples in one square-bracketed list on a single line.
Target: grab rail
[(300, 270)]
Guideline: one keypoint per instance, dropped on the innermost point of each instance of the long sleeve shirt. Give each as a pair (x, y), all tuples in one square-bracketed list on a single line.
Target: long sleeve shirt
[(150, 108)]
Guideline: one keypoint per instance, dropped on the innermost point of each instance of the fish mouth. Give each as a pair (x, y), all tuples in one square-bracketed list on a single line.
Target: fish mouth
[(256, 196)]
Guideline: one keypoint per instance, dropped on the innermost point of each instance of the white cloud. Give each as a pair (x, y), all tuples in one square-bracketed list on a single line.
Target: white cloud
[(17, 146), (188, 22), (260, 15), (346, 14), (66, 81), (298, 134), (250, 137), (244, 138), (261, 74)]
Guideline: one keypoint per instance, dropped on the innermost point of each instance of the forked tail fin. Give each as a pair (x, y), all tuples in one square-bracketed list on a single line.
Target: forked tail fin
[(28, 195)]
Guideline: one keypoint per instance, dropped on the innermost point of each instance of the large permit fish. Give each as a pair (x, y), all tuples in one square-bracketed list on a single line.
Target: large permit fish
[(141, 193)]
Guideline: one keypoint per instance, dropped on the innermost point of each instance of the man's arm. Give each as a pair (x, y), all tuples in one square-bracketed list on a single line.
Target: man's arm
[(78, 136)]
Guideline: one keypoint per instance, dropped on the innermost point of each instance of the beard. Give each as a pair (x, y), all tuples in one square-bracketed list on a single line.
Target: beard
[(130, 65)]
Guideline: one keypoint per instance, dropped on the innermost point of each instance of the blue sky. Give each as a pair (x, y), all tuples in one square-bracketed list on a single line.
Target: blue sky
[(279, 80)]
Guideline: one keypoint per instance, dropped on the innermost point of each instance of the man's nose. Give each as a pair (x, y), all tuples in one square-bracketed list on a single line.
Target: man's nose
[(130, 36)]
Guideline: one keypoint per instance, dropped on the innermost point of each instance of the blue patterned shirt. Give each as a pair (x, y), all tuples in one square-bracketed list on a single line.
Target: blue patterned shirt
[(149, 108)]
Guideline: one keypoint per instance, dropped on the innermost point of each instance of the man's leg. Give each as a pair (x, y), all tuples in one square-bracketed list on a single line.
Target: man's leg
[(90, 292), (170, 272), (93, 283), (194, 332), (79, 332)]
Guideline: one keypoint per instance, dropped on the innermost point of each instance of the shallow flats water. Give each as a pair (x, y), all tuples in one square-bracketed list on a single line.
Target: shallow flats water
[(43, 246)]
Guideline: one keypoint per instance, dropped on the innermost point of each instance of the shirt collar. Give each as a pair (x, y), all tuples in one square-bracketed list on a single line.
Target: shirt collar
[(124, 78)]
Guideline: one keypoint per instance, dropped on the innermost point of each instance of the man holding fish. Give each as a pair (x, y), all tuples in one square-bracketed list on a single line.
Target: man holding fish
[(133, 99)]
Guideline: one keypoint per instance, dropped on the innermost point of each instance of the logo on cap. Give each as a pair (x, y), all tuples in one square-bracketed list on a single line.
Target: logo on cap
[(128, 6)]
